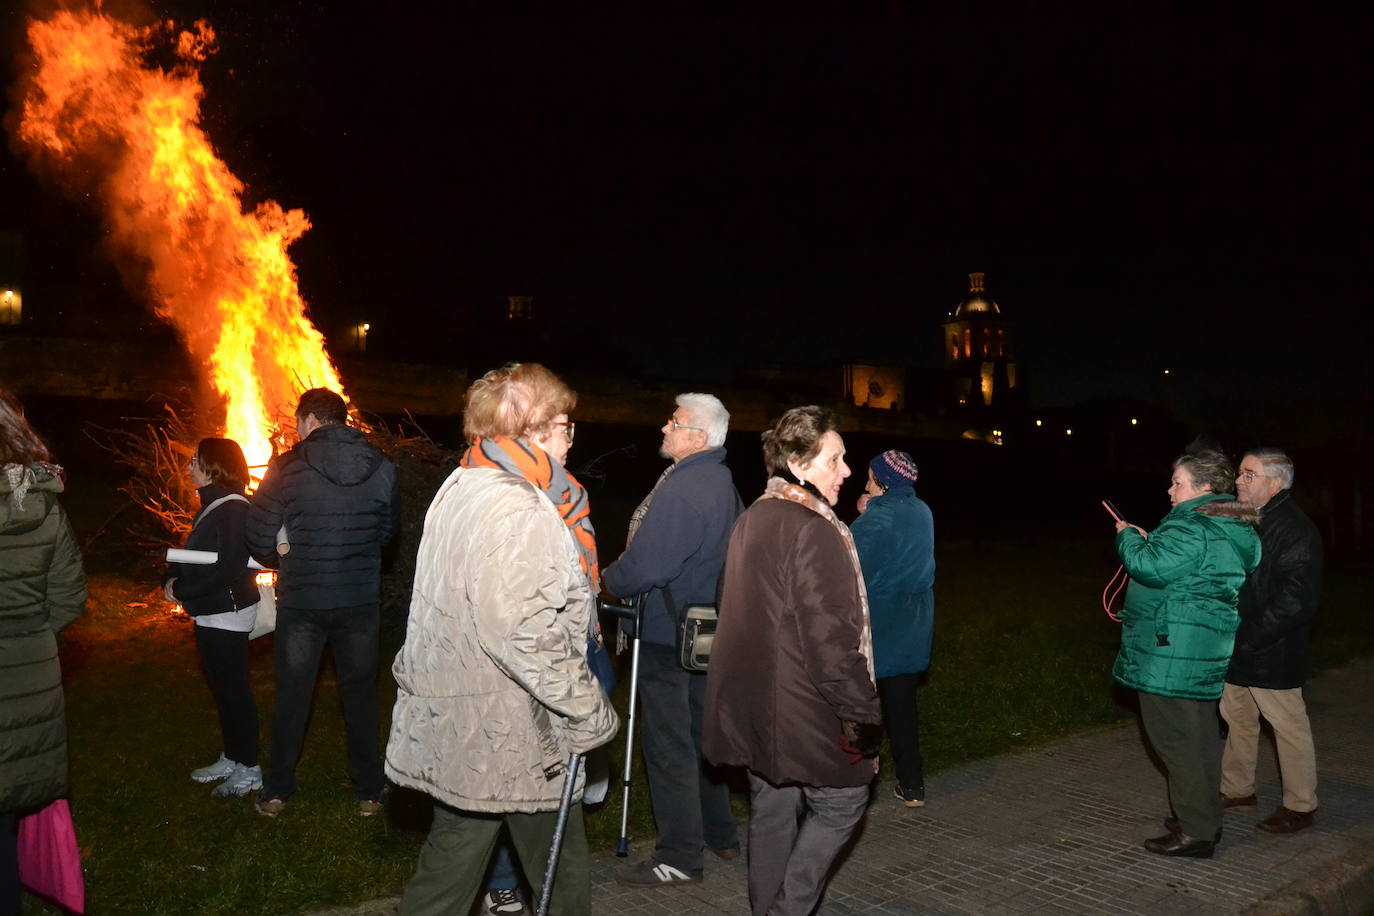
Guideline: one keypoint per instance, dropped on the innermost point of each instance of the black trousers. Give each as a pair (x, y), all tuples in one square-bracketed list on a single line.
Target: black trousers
[(9, 865), (903, 726), (690, 807), (352, 633), (224, 653)]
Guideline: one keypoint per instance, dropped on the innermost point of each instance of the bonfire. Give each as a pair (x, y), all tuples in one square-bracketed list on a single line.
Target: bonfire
[(99, 117)]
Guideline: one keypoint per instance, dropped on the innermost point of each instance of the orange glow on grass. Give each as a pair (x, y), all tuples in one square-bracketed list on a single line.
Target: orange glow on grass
[(127, 133)]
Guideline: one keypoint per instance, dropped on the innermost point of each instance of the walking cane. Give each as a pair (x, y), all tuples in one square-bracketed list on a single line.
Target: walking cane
[(556, 846), (631, 610)]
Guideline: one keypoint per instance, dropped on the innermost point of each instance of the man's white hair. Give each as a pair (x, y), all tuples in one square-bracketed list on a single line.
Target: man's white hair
[(708, 413), (1276, 464)]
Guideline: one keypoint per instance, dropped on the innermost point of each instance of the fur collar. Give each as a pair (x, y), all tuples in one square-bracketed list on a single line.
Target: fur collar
[(1230, 508)]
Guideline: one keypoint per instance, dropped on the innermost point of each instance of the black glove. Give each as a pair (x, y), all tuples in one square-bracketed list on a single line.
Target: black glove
[(861, 739)]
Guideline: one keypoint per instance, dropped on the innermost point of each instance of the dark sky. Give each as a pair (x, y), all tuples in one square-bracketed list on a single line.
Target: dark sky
[(1143, 187)]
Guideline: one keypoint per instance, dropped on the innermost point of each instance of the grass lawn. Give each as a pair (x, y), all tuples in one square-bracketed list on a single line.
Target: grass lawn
[(1022, 655)]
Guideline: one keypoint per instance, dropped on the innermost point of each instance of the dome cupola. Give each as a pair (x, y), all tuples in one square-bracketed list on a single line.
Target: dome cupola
[(977, 303)]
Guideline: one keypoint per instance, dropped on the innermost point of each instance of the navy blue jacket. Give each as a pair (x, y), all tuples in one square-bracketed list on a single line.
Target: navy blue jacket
[(895, 538), (681, 543), (339, 499)]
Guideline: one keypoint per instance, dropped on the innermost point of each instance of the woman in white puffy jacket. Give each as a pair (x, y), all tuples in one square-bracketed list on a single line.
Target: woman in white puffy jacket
[(494, 693)]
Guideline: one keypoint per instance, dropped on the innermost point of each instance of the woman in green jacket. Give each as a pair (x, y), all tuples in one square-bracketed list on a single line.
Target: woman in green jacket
[(1178, 627), (42, 589)]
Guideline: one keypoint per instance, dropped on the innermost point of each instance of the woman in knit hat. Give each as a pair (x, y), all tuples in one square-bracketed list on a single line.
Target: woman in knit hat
[(895, 537)]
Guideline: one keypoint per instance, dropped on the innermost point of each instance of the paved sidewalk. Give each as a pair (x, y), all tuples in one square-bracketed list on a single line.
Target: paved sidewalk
[(1058, 830)]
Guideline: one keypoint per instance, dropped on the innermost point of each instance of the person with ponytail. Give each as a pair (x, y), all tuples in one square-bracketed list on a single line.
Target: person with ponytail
[(790, 692), (493, 688)]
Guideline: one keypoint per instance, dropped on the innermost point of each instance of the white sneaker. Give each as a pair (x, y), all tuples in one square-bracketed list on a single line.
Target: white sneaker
[(503, 901), (216, 771), (242, 781)]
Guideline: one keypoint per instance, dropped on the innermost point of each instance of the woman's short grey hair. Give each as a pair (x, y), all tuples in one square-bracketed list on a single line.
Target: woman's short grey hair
[(708, 413), (1208, 467), (1276, 464)]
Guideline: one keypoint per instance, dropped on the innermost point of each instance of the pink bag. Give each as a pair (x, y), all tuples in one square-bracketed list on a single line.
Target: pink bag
[(49, 862)]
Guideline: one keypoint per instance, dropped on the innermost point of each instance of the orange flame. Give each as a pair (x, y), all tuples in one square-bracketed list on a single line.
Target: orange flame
[(94, 107)]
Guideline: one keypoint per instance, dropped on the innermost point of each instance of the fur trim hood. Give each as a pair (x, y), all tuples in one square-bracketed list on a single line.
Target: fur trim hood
[(1230, 508)]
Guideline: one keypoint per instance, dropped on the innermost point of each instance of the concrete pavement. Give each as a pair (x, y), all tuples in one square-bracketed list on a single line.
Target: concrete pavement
[(1058, 830)]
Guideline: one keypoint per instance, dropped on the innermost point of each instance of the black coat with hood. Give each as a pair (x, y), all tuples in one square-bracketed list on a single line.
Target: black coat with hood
[(227, 584), (42, 590), (338, 498), (1279, 601)]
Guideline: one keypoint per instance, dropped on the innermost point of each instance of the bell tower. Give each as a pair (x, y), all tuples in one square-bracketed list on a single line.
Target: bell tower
[(980, 357)]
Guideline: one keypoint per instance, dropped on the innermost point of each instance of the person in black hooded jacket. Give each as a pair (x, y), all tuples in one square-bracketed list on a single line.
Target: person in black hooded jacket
[(321, 517), (222, 597), (1269, 664)]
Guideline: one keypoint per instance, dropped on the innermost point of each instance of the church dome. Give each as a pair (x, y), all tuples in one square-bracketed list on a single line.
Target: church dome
[(977, 303)]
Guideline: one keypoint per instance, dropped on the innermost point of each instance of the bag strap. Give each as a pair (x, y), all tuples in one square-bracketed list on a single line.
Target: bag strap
[(671, 606), (219, 502)]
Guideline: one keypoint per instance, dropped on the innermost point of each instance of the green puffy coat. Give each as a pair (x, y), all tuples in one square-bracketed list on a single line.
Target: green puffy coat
[(42, 589), (1179, 623)]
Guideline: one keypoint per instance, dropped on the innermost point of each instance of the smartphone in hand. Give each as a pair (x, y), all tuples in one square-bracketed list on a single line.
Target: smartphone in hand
[(1115, 513)]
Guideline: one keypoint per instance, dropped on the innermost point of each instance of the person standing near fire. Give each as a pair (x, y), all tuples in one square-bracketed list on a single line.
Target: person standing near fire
[(673, 558), (222, 597), (493, 690), (42, 590), (337, 499)]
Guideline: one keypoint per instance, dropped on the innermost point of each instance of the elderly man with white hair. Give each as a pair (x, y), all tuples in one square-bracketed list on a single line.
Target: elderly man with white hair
[(673, 558), (1269, 664)]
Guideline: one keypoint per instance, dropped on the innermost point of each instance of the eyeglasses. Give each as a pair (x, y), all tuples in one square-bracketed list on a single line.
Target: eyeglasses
[(1248, 476), (674, 426), (569, 429)]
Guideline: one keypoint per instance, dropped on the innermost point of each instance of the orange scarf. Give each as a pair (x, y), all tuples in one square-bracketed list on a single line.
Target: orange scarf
[(527, 460)]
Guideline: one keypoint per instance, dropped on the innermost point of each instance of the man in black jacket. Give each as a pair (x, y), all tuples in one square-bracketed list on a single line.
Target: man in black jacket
[(674, 558), (321, 516), (1269, 665)]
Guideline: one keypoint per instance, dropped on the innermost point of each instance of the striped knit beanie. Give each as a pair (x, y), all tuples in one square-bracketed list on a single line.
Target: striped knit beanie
[(893, 469)]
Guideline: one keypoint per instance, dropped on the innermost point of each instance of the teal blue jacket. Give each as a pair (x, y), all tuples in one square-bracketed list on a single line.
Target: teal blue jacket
[(1179, 623), (895, 539)]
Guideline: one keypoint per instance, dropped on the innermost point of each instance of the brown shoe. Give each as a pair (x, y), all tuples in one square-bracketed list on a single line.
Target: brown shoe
[(1242, 801), (1286, 820)]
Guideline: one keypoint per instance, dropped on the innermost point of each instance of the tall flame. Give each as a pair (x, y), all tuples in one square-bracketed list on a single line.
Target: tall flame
[(93, 106)]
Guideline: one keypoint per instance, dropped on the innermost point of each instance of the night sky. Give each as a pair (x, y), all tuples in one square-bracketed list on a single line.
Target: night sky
[(686, 192)]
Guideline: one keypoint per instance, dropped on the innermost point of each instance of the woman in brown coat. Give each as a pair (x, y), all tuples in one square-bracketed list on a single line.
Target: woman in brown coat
[(790, 694)]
